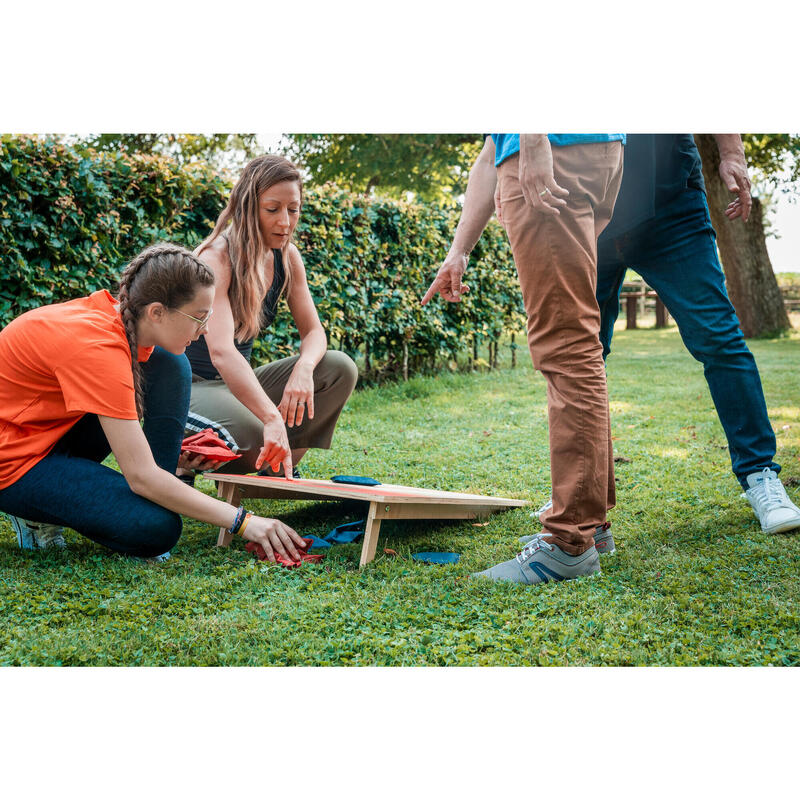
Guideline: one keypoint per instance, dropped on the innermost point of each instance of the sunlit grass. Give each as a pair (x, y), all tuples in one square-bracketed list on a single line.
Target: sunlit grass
[(694, 580)]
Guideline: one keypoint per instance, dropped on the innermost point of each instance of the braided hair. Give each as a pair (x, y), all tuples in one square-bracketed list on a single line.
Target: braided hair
[(163, 273)]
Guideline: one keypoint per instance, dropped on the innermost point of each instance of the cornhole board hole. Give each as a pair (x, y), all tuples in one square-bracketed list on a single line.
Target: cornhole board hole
[(386, 501)]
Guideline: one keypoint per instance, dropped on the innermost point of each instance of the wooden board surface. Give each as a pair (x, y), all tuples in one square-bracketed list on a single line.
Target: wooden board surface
[(308, 489)]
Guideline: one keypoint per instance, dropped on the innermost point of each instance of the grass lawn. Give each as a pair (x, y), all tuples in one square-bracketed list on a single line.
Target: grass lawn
[(694, 580)]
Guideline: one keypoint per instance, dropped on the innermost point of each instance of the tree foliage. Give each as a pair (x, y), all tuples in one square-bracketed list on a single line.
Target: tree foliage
[(220, 150), (775, 157), (70, 219), (433, 166)]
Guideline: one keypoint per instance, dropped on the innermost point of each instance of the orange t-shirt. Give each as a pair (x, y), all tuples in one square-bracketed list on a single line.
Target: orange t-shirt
[(58, 363)]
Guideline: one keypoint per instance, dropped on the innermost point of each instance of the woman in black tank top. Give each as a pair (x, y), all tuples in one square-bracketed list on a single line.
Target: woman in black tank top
[(273, 413)]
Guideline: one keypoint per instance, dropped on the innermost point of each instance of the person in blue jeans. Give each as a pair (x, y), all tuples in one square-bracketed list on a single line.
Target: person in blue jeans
[(76, 378), (661, 229)]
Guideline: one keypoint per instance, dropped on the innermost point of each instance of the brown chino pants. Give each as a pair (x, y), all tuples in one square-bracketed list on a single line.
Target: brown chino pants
[(556, 260)]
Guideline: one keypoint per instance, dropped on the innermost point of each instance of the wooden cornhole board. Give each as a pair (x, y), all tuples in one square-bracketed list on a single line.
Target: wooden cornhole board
[(386, 501)]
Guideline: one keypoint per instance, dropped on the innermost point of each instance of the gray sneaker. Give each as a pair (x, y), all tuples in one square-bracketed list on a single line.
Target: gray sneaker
[(37, 535), (603, 540), (541, 562), (545, 507), (775, 511)]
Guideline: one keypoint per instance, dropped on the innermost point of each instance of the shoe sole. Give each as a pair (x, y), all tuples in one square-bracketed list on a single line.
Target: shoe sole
[(24, 537), (541, 583), (784, 527)]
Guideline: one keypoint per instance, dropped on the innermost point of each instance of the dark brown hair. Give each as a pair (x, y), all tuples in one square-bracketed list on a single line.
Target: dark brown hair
[(163, 273)]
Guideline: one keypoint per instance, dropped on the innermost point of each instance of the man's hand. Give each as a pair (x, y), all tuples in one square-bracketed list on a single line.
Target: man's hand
[(447, 282), (497, 207), (733, 172), (536, 174)]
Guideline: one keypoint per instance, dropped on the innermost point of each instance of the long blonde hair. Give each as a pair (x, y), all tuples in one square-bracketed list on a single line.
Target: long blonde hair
[(239, 224)]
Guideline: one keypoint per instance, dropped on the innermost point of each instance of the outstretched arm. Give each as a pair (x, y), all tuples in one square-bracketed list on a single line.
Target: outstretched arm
[(298, 395), (237, 373), (477, 210), (148, 480)]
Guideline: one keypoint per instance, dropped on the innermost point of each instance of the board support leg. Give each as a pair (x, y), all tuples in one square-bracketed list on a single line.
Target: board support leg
[(371, 531), (229, 492)]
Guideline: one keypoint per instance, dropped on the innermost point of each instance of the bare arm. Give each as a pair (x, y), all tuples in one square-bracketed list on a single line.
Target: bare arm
[(227, 360), (148, 480), (733, 171), (298, 396), (476, 213), (237, 373)]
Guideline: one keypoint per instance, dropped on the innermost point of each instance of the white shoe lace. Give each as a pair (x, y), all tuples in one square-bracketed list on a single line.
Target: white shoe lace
[(770, 492), (537, 543)]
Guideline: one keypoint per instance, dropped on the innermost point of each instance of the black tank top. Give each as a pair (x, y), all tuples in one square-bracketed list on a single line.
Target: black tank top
[(197, 352)]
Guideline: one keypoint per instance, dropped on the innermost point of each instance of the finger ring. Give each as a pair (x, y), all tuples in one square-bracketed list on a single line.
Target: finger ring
[(542, 194)]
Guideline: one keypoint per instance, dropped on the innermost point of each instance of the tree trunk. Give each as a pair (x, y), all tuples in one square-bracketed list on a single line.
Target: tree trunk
[(751, 282), (661, 314)]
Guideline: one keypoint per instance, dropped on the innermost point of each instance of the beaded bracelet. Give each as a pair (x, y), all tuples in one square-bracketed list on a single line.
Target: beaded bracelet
[(241, 513)]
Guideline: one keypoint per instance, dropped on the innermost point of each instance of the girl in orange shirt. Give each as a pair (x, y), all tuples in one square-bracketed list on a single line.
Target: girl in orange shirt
[(76, 378)]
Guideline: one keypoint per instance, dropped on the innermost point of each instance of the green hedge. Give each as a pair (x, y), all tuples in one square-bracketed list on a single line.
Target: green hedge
[(70, 220)]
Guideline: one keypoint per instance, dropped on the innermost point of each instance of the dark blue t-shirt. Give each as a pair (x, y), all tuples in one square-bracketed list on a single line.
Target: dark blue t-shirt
[(657, 167)]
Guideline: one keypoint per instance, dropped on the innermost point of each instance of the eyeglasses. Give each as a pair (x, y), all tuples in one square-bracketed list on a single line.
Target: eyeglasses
[(201, 323)]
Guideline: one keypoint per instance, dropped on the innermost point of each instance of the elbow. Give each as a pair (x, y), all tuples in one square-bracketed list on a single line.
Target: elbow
[(221, 357), (141, 483)]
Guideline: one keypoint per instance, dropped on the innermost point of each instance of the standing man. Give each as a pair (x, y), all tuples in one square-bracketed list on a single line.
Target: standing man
[(557, 195), (662, 230)]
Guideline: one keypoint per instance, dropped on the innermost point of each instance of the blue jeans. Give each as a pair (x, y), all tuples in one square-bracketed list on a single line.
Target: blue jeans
[(676, 254), (71, 487)]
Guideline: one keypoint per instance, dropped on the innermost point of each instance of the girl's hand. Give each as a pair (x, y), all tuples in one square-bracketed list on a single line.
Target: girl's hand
[(276, 450), (196, 462), (275, 537), (298, 396)]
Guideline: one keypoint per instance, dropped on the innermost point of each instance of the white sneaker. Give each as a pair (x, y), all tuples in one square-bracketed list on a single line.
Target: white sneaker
[(775, 511)]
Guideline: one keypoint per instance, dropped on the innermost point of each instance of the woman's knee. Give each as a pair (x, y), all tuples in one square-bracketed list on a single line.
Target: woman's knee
[(339, 368), (165, 369), (153, 532)]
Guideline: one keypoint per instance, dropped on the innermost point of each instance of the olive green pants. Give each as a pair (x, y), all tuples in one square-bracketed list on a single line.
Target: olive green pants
[(212, 405)]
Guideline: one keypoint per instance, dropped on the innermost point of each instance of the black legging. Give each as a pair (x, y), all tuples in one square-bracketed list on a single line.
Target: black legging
[(71, 487)]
